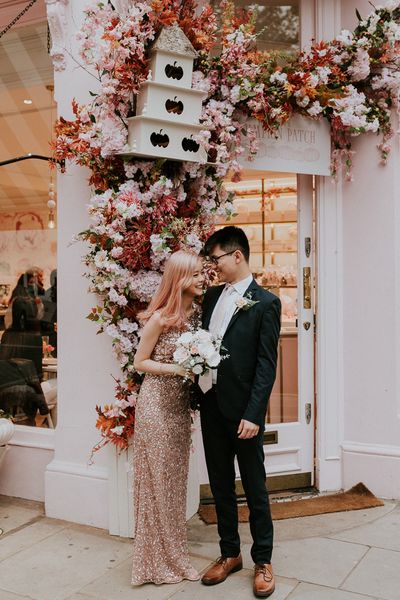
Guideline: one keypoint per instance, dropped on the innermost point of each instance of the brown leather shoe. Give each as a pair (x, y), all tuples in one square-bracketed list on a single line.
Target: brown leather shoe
[(220, 570), (264, 582)]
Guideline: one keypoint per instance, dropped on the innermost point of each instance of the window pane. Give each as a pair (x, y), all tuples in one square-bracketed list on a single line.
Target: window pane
[(28, 247), (266, 209), (278, 24)]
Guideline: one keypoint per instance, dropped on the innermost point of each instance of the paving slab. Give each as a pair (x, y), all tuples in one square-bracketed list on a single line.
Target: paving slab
[(308, 591), (4, 595), (378, 574), (298, 528), (382, 533), (28, 536), (80, 596), (118, 586), (326, 524), (238, 585), (209, 550), (61, 564), (14, 515), (317, 560)]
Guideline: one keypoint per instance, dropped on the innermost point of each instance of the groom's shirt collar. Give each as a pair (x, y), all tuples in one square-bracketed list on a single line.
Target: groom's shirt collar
[(241, 286)]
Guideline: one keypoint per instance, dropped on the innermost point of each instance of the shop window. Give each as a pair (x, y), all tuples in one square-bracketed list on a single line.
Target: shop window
[(278, 23), (28, 235)]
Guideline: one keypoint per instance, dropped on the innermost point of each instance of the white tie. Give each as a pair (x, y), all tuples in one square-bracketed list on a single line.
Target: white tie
[(216, 326), (205, 381), (220, 315)]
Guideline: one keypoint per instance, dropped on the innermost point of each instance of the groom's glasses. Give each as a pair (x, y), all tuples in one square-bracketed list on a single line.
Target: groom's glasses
[(215, 259)]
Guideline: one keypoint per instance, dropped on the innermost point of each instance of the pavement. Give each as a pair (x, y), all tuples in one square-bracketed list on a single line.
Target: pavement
[(343, 556)]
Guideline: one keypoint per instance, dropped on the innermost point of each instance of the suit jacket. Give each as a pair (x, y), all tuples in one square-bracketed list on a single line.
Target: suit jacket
[(246, 377)]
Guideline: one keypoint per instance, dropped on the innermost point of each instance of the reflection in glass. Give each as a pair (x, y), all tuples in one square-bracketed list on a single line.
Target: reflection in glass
[(266, 209), (278, 24)]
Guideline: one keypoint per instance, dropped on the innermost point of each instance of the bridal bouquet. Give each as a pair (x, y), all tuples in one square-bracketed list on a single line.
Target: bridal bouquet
[(198, 351)]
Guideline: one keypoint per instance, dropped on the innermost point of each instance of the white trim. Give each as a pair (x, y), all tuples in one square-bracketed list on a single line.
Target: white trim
[(307, 23), (371, 449), (120, 492), (329, 352), (396, 223), (33, 437), (69, 468), (327, 19), (367, 463)]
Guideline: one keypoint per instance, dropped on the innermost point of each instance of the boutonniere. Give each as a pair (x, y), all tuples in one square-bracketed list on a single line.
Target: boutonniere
[(245, 302)]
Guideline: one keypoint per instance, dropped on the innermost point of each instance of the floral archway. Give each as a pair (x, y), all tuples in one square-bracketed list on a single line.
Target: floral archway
[(143, 210)]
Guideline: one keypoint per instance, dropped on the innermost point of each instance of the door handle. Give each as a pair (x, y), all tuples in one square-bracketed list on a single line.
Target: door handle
[(306, 287)]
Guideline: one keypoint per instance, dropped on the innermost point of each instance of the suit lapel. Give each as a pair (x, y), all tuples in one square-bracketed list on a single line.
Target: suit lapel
[(252, 288), (211, 306)]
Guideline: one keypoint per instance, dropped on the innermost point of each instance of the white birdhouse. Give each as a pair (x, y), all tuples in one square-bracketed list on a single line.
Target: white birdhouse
[(167, 108)]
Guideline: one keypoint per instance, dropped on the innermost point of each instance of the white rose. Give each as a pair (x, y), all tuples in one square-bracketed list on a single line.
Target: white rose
[(214, 360), (202, 335), (206, 350), (197, 369), (185, 338), (180, 355), (241, 302)]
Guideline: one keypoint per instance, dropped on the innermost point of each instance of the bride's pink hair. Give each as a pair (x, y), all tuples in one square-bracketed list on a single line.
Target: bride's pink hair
[(167, 300)]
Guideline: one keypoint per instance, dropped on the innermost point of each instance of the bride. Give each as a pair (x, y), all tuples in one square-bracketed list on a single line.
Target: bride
[(161, 442)]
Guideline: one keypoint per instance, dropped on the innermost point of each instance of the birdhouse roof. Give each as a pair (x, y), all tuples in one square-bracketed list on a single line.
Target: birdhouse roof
[(172, 39)]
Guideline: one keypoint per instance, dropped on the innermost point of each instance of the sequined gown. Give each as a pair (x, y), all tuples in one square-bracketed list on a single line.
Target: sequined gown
[(161, 446)]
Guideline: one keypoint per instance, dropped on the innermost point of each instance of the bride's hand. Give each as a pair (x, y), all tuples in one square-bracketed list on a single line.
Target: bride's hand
[(181, 371)]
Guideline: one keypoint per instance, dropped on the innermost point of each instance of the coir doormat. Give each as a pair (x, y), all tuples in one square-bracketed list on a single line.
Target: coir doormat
[(357, 498)]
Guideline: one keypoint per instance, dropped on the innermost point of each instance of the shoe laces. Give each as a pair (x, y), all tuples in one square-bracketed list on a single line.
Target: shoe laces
[(264, 571)]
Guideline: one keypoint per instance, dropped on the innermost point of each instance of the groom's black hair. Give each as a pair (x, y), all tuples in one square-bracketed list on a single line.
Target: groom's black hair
[(229, 238)]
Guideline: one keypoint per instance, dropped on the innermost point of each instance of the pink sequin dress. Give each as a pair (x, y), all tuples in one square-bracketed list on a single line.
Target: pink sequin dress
[(161, 446)]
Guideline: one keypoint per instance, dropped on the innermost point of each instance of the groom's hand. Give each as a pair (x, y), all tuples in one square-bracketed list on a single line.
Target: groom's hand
[(247, 429)]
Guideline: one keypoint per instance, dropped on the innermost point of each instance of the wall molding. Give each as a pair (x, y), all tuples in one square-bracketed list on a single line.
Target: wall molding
[(371, 449), (33, 437)]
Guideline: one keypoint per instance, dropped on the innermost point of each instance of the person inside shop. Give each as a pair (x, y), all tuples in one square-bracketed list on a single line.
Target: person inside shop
[(21, 394), (23, 339), (27, 287), (49, 320), (39, 279)]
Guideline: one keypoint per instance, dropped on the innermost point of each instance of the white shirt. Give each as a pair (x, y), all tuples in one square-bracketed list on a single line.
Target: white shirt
[(225, 309)]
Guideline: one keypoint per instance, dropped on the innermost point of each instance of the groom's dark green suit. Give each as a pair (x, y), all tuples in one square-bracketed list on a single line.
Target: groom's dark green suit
[(244, 383)]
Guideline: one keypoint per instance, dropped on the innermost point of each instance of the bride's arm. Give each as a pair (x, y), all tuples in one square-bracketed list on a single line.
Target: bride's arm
[(143, 363)]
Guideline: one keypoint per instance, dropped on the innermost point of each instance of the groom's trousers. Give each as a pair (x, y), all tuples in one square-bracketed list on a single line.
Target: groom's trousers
[(221, 445)]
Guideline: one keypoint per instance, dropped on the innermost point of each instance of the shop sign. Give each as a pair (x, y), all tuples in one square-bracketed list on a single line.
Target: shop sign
[(302, 145)]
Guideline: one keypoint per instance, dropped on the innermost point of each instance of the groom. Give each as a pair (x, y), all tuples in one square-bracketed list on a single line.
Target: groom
[(235, 403)]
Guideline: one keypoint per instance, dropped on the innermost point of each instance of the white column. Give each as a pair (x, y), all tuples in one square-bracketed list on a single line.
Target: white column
[(329, 363), (73, 490), (329, 351), (101, 494)]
